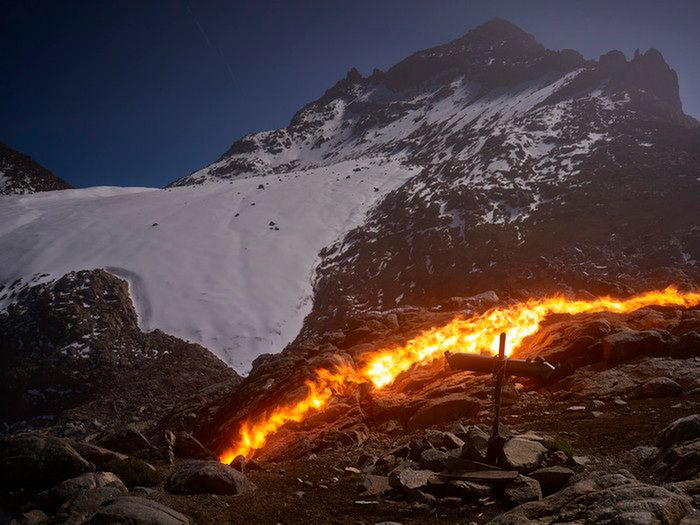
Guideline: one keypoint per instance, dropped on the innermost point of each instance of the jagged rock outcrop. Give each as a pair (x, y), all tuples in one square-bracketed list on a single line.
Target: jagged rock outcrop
[(72, 355), (19, 174)]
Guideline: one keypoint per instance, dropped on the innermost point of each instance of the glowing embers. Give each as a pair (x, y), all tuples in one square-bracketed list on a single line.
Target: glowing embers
[(476, 334)]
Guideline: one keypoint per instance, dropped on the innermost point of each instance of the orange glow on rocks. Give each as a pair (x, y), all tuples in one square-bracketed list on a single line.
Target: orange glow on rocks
[(476, 334)]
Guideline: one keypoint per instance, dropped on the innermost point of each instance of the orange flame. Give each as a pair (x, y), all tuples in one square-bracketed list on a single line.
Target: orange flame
[(474, 334)]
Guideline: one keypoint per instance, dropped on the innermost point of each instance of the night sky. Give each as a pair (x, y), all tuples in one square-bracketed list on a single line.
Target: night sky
[(140, 93)]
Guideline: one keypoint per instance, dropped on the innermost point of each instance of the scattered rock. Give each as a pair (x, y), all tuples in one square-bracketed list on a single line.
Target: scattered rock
[(476, 444), (98, 456), (408, 479), (552, 479), (134, 510), (628, 344), (373, 485), (433, 459), (521, 490), (680, 431), (643, 454), (612, 498), (52, 499), (188, 447), (657, 387), (37, 460), (238, 463), (443, 409), (522, 454), (207, 477), (127, 440)]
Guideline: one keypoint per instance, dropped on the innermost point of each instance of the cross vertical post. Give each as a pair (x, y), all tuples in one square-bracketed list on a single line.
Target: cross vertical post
[(496, 442)]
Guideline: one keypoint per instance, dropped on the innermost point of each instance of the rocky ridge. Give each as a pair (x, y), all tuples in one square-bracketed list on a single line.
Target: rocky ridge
[(19, 174)]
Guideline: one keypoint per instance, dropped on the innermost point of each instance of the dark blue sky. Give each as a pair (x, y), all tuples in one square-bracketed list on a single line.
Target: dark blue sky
[(140, 93)]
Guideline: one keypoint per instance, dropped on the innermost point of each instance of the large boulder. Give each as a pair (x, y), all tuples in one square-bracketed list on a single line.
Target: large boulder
[(70, 489), (603, 498), (442, 410), (132, 510), (208, 477), (38, 460), (522, 454)]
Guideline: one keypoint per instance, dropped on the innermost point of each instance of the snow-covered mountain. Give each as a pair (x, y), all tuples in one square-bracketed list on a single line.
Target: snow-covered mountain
[(485, 163), (19, 174)]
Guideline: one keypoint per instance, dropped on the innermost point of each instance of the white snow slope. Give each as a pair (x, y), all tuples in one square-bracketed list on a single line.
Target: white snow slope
[(204, 263)]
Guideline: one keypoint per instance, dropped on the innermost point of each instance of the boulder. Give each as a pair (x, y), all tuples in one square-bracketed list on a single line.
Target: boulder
[(85, 504), (188, 447), (207, 477), (657, 387), (628, 344), (602, 497), (98, 456), (679, 462), (238, 463), (67, 490), (643, 454), (433, 459), (552, 479), (476, 444), (522, 454), (133, 510), (127, 440), (32, 517), (38, 461), (407, 479), (442, 410), (680, 431), (373, 485), (521, 490), (470, 490)]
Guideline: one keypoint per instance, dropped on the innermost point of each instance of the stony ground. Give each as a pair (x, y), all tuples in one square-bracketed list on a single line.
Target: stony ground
[(326, 487)]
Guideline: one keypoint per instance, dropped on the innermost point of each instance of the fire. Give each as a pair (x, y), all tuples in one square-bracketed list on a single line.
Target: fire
[(475, 334)]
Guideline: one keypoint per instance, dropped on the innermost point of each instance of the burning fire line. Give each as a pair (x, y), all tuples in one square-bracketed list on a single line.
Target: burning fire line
[(473, 335)]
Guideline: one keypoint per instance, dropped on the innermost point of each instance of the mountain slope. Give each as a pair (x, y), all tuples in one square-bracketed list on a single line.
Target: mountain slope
[(19, 174), (485, 163), (539, 171), (227, 266)]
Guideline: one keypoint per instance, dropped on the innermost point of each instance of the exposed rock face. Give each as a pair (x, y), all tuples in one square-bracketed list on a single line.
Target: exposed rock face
[(84, 329), (207, 477), (602, 498), (19, 174)]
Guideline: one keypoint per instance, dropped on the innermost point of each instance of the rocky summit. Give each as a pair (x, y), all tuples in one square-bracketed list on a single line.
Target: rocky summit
[(263, 341)]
